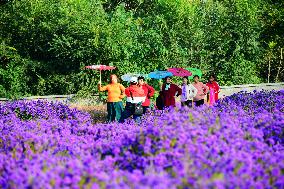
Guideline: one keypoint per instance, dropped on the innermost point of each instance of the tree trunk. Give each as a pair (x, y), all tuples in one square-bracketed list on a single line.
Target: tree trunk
[(269, 66), (278, 71), (280, 64)]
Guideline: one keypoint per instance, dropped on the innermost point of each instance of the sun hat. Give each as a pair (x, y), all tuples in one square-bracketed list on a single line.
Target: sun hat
[(133, 79)]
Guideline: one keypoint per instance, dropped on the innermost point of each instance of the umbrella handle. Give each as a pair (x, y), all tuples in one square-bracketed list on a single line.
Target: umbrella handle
[(100, 76), (160, 85)]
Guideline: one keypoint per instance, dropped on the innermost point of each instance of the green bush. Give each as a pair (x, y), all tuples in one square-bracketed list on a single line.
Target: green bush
[(54, 40), (13, 71)]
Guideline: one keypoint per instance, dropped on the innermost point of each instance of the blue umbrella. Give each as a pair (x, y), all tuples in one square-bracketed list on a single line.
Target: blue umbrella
[(159, 74)]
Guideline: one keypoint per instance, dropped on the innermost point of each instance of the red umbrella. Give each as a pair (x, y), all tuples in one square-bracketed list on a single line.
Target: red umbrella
[(179, 72), (100, 67)]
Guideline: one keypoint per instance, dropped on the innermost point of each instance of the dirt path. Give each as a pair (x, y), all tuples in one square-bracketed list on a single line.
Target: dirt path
[(98, 112)]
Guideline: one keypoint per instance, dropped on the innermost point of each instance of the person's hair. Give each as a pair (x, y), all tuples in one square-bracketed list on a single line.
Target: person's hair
[(196, 76), (111, 76), (141, 77), (185, 77), (167, 78), (214, 77)]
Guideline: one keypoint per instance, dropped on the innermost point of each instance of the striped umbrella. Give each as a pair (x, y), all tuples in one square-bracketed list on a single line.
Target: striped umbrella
[(100, 67)]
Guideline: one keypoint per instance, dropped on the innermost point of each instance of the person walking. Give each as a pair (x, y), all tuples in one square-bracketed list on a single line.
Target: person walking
[(188, 93), (214, 89), (135, 97), (114, 100), (148, 91), (202, 90), (169, 91)]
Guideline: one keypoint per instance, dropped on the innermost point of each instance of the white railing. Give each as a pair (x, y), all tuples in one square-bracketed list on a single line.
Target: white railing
[(229, 90), (48, 97), (254, 85)]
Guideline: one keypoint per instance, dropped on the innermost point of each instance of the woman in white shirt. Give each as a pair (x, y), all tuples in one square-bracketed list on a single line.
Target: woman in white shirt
[(188, 93)]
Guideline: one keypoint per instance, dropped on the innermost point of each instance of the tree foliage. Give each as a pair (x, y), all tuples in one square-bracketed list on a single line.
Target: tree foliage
[(53, 40)]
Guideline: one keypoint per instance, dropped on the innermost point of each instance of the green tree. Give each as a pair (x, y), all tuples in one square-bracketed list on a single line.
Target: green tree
[(54, 40)]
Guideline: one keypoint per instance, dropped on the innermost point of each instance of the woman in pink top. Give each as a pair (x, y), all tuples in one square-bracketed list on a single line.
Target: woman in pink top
[(202, 90)]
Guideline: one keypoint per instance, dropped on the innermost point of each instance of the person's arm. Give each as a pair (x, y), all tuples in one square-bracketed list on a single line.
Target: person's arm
[(205, 88), (151, 91), (217, 87), (122, 89), (178, 89), (127, 92), (104, 88), (162, 87), (207, 84), (194, 90)]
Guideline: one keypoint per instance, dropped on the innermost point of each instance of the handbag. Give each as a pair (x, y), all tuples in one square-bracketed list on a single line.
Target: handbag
[(138, 108)]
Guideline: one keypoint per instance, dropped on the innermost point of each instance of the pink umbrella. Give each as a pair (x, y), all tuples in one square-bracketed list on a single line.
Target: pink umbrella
[(100, 67), (179, 72)]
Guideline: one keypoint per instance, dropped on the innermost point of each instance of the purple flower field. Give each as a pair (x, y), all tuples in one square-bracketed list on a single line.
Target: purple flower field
[(239, 143)]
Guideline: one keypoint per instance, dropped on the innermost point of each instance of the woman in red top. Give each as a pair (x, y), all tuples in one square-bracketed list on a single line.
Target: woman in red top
[(135, 95), (148, 91), (169, 91), (214, 87)]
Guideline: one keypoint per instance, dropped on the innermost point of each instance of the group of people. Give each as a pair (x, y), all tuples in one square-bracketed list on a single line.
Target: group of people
[(138, 92), (192, 94), (138, 95)]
